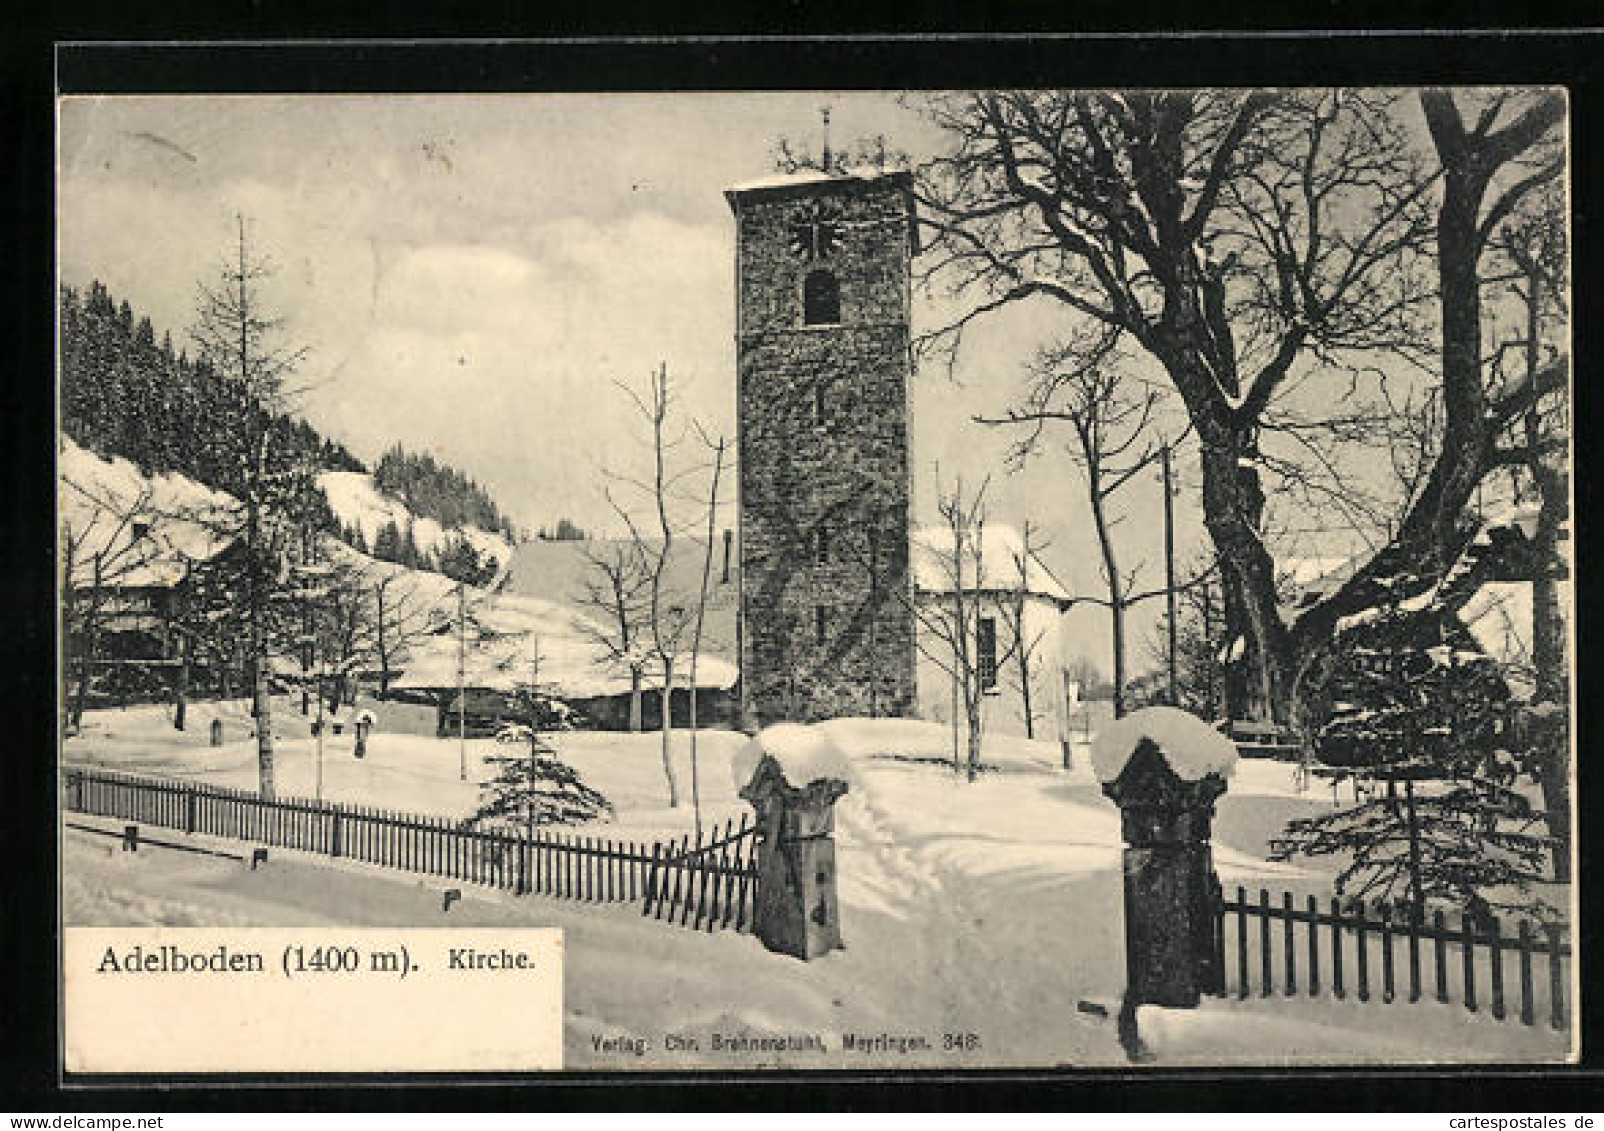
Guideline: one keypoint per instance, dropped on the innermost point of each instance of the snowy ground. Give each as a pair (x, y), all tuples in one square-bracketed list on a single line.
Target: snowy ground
[(990, 908)]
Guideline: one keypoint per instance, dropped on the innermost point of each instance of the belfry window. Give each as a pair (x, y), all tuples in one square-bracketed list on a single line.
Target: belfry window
[(821, 299)]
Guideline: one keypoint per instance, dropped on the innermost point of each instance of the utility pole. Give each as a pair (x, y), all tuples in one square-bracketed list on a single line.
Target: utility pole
[(1169, 567), (462, 676)]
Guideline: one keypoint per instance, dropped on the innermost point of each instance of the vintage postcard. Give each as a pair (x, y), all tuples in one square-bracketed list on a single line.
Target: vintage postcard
[(815, 580)]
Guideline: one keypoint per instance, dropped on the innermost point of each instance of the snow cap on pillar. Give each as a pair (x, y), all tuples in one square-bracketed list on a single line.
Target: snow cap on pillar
[(803, 753), (1191, 746)]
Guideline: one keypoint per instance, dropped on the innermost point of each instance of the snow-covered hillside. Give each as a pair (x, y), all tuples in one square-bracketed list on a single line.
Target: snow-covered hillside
[(357, 502), (175, 504)]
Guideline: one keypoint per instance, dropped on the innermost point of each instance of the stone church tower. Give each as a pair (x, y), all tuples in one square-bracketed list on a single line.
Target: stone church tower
[(823, 292)]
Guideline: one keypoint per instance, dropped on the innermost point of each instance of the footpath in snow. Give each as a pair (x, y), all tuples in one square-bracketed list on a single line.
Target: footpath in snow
[(982, 919)]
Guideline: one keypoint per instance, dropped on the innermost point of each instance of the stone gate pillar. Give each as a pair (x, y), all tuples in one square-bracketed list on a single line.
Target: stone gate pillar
[(1165, 769), (797, 909)]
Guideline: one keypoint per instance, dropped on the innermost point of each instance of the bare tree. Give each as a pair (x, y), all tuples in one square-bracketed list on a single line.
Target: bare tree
[(668, 619), (237, 337), (617, 585), (400, 617), (1081, 385), (1239, 239), (1537, 446), (102, 545), (952, 619), (1487, 169), (717, 447), (1024, 641)]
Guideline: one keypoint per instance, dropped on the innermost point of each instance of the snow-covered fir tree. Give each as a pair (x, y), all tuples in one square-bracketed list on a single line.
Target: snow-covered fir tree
[(532, 785), (1420, 721)]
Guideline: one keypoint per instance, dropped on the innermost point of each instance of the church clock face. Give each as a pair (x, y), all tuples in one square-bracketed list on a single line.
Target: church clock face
[(816, 231)]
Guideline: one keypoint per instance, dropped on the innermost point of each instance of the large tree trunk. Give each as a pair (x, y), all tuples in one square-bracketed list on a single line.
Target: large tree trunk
[(634, 699), (1258, 672), (261, 700)]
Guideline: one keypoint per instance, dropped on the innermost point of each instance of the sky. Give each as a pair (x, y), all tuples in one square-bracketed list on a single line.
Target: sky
[(473, 275)]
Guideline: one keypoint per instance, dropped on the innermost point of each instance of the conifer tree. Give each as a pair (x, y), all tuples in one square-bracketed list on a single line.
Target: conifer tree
[(532, 785), (236, 337), (1421, 720)]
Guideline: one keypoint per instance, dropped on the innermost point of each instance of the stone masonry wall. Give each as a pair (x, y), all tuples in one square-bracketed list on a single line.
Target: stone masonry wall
[(823, 417)]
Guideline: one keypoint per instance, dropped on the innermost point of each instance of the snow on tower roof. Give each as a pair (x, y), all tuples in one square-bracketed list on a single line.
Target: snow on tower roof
[(803, 177), (1001, 548)]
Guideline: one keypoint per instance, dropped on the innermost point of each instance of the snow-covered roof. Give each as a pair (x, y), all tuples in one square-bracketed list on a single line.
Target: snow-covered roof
[(1316, 576), (855, 173), (559, 571), (1191, 746), (1499, 617), (147, 529), (1001, 549), (504, 632)]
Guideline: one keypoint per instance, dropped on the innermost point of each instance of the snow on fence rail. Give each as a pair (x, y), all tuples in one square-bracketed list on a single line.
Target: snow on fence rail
[(1453, 962), (673, 880)]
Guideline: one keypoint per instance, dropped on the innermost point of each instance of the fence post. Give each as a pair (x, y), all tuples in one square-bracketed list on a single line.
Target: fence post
[(1556, 979), (1388, 991), (797, 907), (1496, 954), (1439, 944), (1414, 951), (1266, 948), (1336, 948), (334, 835), (1314, 947), (1241, 941), (651, 879), (190, 802), (1526, 1014), (1291, 983), (1362, 945)]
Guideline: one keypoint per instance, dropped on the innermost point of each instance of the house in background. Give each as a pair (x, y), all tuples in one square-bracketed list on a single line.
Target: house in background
[(1019, 606), (507, 640), (129, 545)]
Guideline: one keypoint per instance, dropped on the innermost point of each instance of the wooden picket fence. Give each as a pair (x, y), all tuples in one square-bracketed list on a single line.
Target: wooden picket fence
[(677, 882), (1274, 949), (709, 884)]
